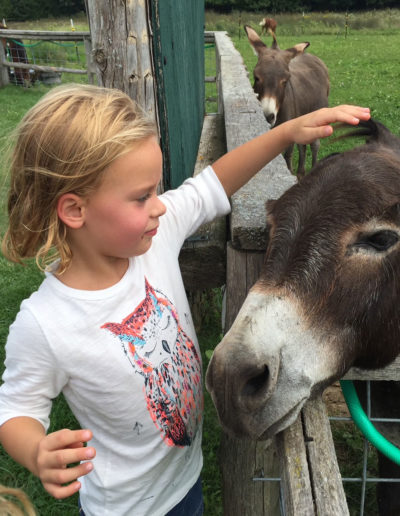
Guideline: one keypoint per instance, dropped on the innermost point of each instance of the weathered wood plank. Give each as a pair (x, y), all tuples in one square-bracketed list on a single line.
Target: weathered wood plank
[(121, 47), (296, 485), (327, 486), (45, 35), (91, 70), (30, 66), (242, 271), (4, 79), (244, 460)]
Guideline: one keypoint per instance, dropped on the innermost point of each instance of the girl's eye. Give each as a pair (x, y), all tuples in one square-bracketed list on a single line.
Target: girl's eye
[(144, 198)]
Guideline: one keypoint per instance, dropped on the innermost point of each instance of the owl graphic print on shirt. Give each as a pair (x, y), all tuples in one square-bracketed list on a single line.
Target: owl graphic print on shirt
[(166, 358)]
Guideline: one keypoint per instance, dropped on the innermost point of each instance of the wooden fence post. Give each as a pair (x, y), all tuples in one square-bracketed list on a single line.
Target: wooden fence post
[(122, 49), (91, 69), (4, 79), (245, 460)]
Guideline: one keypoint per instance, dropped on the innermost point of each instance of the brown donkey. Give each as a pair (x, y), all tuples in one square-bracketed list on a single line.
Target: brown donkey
[(289, 83)]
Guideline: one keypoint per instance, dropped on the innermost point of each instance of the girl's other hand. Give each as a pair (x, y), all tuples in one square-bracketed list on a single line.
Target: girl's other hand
[(56, 451)]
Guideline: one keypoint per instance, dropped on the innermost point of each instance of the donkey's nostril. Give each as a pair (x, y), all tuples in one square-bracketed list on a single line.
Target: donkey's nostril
[(257, 383), (270, 118)]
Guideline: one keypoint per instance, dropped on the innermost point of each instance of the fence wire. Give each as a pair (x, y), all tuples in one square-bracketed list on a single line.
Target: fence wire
[(50, 53)]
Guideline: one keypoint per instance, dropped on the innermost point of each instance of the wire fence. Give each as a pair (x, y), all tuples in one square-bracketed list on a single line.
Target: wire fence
[(73, 55), (46, 57)]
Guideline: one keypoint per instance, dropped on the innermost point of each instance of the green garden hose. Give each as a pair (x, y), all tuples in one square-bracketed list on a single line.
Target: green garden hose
[(364, 424)]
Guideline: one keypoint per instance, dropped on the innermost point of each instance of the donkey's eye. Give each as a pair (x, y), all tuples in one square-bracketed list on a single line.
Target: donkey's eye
[(379, 241)]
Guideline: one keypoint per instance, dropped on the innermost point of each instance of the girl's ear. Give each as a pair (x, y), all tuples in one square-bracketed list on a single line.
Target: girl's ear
[(70, 209)]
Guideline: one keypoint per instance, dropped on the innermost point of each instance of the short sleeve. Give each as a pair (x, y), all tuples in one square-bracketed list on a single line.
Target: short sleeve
[(198, 200), (31, 377)]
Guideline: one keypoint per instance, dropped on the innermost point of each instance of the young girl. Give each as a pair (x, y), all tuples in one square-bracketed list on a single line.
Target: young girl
[(110, 325)]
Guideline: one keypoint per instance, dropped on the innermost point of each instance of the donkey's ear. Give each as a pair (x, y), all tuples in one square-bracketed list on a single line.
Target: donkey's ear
[(296, 50), (254, 39)]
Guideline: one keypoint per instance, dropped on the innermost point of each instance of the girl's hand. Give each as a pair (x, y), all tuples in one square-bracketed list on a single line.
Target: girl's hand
[(55, 452), (308, 128)]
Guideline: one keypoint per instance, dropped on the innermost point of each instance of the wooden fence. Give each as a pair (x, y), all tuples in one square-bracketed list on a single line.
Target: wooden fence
[(54, 36)]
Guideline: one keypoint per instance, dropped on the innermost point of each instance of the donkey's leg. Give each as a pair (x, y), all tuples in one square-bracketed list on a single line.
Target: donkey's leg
[(301, 171), (314, 151), (288, 154)]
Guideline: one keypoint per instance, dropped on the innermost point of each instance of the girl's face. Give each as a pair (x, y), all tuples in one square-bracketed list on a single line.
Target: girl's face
[(122, 215)]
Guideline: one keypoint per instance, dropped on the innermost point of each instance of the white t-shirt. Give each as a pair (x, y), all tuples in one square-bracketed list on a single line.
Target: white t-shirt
[(128, 363)]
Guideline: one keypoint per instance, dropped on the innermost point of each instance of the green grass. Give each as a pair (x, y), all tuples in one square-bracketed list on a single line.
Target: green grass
[(349, 446), (363, 70), (312, 23)]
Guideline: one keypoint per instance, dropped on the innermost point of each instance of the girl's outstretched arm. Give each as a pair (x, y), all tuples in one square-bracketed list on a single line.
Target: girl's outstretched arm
[(238, 166)]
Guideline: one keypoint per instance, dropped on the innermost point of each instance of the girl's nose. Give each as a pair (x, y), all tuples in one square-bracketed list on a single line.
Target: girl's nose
[(158, 208)]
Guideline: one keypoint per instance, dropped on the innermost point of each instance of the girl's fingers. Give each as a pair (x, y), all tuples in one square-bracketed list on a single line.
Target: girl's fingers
[(62, 458), (66, 438), (61, 492), (346, 114), (57, 451), (58, 477)]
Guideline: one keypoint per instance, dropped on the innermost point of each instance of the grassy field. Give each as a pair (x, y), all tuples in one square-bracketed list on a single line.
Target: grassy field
[(361, 52)]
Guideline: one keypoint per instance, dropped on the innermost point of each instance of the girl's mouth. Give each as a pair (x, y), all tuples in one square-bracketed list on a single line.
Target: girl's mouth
[(152, 232)]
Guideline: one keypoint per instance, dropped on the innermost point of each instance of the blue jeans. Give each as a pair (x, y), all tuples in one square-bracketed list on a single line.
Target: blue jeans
[(191, 505)]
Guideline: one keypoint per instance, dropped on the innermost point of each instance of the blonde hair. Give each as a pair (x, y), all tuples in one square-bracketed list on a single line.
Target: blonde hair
[(63, 144), (14, 502)]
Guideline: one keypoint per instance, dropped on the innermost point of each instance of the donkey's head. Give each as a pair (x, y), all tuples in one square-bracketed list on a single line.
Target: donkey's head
[(328, 295)]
